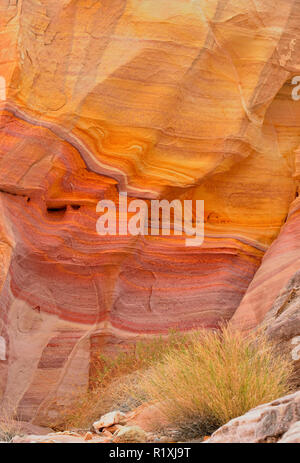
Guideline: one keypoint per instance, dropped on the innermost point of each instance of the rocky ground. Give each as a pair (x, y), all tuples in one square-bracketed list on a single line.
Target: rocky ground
[(275, 422), (114, 427)]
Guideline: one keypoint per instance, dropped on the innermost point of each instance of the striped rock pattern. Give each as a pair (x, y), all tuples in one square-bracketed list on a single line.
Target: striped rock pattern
[(182, 99)]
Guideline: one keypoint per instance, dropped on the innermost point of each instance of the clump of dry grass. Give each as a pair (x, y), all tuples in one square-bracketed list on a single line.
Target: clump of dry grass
[(217, 376), (9, 425), (203, 379), (141, 356), (114, 380)]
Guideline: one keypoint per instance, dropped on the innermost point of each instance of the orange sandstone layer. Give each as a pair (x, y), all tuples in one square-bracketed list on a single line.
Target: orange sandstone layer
[(181, 99)]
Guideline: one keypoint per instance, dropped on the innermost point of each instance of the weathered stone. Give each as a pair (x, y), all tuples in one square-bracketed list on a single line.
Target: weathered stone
[(114, 428), (128, 434), (292, 436), (88, 436), (282, 322), (266, 423), (111, 418)]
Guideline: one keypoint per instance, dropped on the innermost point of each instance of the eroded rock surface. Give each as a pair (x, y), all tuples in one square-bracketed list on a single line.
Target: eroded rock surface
[(110, 419), (66, 437), (185, 100), (282, 322), (268, 423), (292, 436)]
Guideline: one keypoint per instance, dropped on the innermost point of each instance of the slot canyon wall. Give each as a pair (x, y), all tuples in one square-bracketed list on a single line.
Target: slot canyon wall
[(181, 99)]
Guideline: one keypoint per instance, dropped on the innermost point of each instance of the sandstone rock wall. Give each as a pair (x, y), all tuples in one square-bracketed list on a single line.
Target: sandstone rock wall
[(182, 99)]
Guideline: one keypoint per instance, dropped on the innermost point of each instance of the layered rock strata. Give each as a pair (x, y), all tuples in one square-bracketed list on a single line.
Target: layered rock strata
[(176, 100)]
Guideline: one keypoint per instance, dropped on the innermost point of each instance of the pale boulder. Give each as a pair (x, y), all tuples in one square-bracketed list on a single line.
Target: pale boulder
[(266, 423), (130, 434), (109, 419), (292, 436)]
